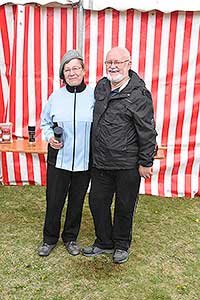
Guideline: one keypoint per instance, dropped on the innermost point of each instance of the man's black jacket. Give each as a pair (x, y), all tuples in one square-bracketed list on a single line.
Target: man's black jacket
[(123, 134)]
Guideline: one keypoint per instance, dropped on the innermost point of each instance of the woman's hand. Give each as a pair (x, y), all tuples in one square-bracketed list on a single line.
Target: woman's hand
[(54, 143)]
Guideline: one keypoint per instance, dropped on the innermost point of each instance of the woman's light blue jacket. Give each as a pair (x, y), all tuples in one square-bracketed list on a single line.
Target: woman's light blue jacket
[(73, 111)]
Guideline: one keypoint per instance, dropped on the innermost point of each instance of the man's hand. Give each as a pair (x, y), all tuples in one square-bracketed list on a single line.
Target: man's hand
[(145, 172), (54, 143)]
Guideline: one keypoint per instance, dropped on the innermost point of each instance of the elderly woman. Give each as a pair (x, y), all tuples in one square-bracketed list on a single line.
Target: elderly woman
[(69, 109)]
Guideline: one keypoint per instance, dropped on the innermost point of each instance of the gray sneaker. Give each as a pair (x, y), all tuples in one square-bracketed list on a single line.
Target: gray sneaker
[(94, 251), (45, 249), (120, 256), (73, 248)]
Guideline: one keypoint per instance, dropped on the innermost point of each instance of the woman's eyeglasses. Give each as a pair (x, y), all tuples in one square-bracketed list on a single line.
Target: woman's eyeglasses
[(73, 69)]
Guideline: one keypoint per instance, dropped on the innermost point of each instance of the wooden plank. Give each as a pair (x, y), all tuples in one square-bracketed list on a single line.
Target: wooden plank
[(39, 147)]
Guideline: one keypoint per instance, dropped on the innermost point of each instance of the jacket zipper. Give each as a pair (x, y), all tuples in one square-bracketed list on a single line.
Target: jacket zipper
[(73, 157)]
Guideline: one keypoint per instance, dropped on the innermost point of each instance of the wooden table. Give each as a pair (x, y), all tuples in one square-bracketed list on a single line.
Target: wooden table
[(39, 147), (161, 153)]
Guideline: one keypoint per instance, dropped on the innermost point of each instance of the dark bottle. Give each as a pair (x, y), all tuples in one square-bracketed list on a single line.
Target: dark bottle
[(31, 134), (58, 134)]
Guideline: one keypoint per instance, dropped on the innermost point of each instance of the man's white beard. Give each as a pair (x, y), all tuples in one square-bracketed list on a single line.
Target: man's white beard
[(117, 79)]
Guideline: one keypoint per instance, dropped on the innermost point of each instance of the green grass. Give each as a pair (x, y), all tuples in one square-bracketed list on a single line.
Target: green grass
[(164, 262)]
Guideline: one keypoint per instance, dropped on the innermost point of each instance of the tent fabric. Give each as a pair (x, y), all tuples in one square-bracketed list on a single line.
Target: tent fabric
[(33, 40), (165, 52), (40, 2), (143, 5)]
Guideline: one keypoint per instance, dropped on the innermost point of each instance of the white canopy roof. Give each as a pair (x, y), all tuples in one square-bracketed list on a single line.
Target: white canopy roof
[(142, 5), (40, 2)]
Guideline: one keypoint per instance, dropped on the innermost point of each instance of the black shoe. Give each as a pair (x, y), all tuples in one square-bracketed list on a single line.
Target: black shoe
[(45, 249), (94, 251), (120, 256), (73, 248)]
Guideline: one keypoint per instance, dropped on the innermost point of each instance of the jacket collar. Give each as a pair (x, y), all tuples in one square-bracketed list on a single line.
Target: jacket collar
[(103, 87), (79, 88)]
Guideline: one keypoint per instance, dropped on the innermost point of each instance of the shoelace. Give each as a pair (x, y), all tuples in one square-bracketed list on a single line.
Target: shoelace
[(72, 243), (119, 251)]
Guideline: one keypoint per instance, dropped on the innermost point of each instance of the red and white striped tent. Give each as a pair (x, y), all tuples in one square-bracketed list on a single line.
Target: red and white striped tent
[(164, 40)]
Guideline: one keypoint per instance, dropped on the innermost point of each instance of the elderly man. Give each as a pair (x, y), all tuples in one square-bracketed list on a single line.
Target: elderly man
[(123, 147)]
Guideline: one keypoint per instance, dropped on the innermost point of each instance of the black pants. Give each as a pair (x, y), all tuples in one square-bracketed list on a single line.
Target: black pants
[(125, 184), (59, 184)]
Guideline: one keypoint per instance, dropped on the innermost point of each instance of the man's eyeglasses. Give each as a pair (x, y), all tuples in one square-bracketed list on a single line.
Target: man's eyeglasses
[(117, 63), (73, 69)]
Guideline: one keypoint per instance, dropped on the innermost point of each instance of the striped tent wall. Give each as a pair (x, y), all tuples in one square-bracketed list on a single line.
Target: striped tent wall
[(165, 51), (39, 36), (6, 38)]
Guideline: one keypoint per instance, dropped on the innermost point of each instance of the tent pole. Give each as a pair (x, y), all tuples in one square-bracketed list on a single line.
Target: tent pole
[(80, 27)]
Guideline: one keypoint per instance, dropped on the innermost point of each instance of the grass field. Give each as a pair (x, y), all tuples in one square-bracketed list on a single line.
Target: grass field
[(164, 262)]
